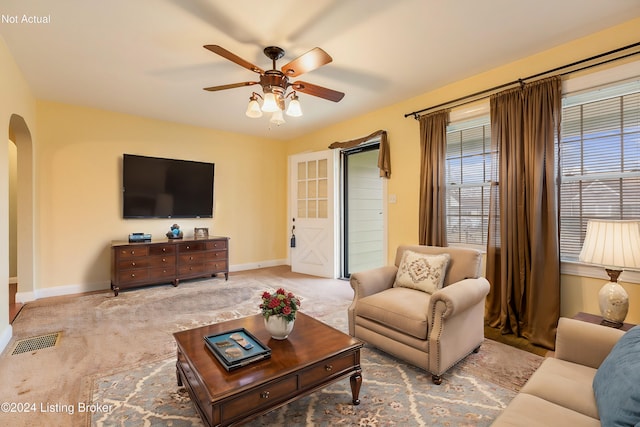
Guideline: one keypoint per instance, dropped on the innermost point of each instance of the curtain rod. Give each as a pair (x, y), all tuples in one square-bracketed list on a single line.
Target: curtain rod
[(483, 94)]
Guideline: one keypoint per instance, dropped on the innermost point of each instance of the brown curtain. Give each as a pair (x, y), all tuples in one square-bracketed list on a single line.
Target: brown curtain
[(523, 259), (384, 158), (433, 151)]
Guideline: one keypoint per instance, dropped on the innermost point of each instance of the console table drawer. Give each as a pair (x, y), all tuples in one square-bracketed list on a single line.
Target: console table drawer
[(161, 261), (217, 244), (187, 270), (167, 272), (216, 266), (193, 258), (323, 371), (162, 249), (133, 252), (192, 246), (132, 276), (133, 263), (218, 254), (261, 396)]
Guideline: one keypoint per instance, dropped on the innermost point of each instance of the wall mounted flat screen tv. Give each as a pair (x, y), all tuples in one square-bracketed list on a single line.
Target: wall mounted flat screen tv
[(166, 188)]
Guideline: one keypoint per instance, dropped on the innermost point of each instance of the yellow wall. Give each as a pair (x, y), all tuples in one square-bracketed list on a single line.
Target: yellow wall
[(79, 178), (579, 294), (16, 99)]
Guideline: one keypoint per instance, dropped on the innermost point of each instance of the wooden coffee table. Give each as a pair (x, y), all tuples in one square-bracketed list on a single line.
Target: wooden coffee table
[(313, 356)]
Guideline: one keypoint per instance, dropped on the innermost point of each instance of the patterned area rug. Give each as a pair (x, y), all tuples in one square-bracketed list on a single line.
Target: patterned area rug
[(393, 393), (473, 393)]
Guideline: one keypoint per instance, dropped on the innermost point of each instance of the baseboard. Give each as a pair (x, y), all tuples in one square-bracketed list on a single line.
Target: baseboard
[(24, 297), (57, 291), (255, 265), (5, 337)]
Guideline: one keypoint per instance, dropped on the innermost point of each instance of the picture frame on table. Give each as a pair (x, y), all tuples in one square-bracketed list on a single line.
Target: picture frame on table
[(200, 232)]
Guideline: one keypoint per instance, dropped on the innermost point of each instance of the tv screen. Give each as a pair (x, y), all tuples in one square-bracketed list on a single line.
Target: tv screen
[(165, 188)]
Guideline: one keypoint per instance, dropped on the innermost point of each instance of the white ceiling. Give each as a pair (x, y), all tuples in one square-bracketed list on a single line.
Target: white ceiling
[(145, 57)]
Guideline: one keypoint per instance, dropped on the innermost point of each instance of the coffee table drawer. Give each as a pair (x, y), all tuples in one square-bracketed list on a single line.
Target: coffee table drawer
[(259, 397), (324, 370)]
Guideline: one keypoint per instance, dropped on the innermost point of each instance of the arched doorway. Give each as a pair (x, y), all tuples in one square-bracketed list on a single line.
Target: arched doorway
[(22, 222)]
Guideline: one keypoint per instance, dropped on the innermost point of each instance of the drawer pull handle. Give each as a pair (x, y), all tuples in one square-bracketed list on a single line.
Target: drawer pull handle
[(133, 252), (328, 368), (164, 260), (188, 247), (133, 275), (264, 395), (133, 264), (164, 249)]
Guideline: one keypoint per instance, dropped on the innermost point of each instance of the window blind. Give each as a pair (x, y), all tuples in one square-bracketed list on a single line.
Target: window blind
[(598, 160)]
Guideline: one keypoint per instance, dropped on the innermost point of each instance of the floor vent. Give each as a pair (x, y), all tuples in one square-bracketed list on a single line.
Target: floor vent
[(36, 343)]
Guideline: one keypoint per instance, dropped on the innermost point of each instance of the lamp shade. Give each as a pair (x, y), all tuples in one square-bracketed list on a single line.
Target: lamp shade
[(276, 118), (269, 105), (253, 109), (294, 109), (612, 244)]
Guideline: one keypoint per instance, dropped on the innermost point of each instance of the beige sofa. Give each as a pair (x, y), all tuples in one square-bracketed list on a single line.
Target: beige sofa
[(560, 392), (431, 331)]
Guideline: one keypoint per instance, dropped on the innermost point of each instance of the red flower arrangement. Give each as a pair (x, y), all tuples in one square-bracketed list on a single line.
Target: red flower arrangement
[(280, 303)]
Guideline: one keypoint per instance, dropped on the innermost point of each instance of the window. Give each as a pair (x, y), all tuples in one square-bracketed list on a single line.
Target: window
[(468, 171), (598, 161)]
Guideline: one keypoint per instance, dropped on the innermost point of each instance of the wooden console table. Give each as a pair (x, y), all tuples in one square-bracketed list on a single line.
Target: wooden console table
[(167, 261)]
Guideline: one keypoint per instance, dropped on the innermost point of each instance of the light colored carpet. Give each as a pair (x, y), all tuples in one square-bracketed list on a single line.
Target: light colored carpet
[(118, 353)]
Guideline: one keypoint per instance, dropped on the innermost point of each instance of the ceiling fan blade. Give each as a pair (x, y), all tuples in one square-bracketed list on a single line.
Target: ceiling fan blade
[(233, 58), (319, 91), (306, 62), (230, 86)]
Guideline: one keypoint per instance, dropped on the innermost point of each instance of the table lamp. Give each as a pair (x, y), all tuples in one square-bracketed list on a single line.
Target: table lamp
[(616, 246)]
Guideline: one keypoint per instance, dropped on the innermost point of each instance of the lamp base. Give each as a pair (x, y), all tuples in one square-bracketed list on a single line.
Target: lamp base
[(614, 303)]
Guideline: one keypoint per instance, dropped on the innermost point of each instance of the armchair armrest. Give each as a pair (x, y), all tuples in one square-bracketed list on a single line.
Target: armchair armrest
[(584, 343), (458, 297), (365, 283)]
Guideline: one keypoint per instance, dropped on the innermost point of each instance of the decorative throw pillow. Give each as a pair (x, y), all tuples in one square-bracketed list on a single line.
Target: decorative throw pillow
[(617, 380), (423, 272)]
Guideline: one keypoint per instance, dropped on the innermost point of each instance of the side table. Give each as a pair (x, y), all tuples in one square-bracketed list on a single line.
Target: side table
[(592, 318)]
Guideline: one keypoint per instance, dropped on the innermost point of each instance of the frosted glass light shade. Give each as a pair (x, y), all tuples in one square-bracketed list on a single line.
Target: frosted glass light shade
[(270, 105), (277, 118), (294, 109), (253, 109)]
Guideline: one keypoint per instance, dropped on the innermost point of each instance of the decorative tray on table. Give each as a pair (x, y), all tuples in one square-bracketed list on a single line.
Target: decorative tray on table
[(236, 348)]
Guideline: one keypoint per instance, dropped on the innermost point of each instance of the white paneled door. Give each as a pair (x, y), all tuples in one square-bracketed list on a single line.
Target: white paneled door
[(313, 178)]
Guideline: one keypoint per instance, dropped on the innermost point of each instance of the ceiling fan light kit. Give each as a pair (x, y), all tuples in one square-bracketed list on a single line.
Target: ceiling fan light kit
[(275, 83)]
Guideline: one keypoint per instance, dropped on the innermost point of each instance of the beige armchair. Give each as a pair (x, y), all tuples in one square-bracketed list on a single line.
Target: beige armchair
[(431, 331)]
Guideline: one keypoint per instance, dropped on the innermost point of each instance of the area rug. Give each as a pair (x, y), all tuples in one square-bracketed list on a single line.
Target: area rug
[(393, 393), (115, 361)]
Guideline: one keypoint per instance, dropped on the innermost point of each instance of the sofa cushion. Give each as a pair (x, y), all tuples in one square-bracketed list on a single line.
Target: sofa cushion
[(564, 383), (422, 271), (402, 309), (532, 411), (616, 382)]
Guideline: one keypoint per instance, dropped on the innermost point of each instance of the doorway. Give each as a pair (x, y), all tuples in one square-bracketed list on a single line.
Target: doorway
[(21, 221), (363, 224)]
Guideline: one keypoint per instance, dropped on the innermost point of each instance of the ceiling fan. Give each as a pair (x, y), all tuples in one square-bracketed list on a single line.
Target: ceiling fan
[(275, 83)]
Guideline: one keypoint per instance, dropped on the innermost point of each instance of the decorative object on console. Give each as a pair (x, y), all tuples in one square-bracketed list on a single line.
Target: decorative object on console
[(276, 82), (175, 232), (616, 246), (200, 233), (139, 237), (279, 311)]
